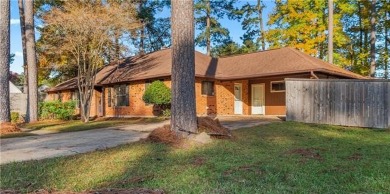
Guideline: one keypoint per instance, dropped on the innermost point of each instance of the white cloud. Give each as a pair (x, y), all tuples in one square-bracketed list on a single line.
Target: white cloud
[(18, 54), (15, 21)]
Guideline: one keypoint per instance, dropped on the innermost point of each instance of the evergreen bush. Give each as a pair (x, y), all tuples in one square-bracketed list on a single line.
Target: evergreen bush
[(57, 110)]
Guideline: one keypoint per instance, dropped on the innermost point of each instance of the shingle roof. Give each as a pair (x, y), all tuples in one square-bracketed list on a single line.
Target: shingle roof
[(281, 61), (72, 83), (277, 62)]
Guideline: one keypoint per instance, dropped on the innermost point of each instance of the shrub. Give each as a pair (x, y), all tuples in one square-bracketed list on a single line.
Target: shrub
[(166, 113), (57, 110), (158, 94), (14, 117)]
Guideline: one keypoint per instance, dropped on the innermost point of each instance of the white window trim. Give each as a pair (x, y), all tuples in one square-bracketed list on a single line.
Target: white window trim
[(272, 91)]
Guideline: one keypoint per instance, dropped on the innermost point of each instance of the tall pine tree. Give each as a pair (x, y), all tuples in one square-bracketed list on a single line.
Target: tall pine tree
[(208, 13), (154, 34), (252, 23)]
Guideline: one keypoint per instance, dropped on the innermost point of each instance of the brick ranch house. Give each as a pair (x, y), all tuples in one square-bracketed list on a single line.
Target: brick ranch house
[(247, 84)]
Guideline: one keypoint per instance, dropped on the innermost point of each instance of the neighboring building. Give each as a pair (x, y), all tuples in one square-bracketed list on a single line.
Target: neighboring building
[(248, 84), (18, 100)]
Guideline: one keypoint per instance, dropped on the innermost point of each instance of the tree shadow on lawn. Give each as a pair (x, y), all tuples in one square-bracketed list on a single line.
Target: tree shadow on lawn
[(260, 159)]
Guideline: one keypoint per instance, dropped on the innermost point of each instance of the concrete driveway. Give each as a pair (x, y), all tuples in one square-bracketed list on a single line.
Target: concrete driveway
[(64, 144)]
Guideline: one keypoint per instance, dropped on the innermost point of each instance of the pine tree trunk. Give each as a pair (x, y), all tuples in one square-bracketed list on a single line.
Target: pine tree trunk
[(208, 28), (183, 119), (330, 31), (360, 28), (386, 49), (372, 39), (32, 63), (23, 33), (5, 115), (260, 9), (142, 35)]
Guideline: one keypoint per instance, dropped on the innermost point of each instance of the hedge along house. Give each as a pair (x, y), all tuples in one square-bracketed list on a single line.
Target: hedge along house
[(248, 84)]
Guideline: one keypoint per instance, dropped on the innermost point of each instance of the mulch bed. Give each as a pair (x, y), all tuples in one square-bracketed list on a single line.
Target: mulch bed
[(213, 128), (164, 135), (7, 128), (205, 124)]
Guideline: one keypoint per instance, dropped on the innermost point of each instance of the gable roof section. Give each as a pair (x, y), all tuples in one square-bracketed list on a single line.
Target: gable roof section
[(281, 61), (277, 62), (72, 83)]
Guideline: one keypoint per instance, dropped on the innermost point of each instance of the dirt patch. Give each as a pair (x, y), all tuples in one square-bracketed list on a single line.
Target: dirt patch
[(213, 128), (104, 191), (198, 161), (355, 156), (7, 128), (307, 153)]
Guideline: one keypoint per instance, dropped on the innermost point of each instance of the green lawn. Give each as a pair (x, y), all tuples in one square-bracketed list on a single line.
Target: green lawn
[(282, 157), (76, 125)]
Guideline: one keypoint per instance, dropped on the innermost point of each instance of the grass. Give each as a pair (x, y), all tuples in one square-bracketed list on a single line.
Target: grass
[(76, 125), (18, 134), (283, 157)]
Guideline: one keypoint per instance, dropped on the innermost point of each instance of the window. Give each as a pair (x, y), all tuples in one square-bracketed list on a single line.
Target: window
[(122, 95), (109, 97), (278, 86), (208, 88), (76, 98)]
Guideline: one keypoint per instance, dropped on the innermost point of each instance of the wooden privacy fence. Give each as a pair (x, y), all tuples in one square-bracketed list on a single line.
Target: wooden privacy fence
[(363, 103)]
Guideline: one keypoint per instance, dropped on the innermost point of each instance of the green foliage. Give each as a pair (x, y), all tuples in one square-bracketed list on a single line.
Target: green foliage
[(252, 23), (214, 10), (57, 110), (232, 48), (166, 113), (157, 93), (11, 58), (14, 117), (155, 34)]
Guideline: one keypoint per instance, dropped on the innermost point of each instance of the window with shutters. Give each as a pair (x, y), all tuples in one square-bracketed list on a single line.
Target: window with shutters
[(122, 95), (208, 88)]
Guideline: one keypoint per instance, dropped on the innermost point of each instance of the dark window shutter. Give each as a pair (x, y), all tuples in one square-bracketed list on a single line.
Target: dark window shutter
[(109, 97), (127, 95)]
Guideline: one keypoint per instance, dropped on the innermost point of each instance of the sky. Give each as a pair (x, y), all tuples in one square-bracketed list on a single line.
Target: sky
[(234, 27)]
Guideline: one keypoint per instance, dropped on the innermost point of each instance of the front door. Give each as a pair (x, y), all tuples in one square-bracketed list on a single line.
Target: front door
[(238, 99), (258, 107)]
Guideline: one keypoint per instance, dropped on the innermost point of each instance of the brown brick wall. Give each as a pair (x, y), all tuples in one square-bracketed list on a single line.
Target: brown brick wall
[(137, 106), (222, 103)]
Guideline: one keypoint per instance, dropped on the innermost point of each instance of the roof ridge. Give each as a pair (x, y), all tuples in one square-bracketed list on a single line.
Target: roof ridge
[(224, 57)]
